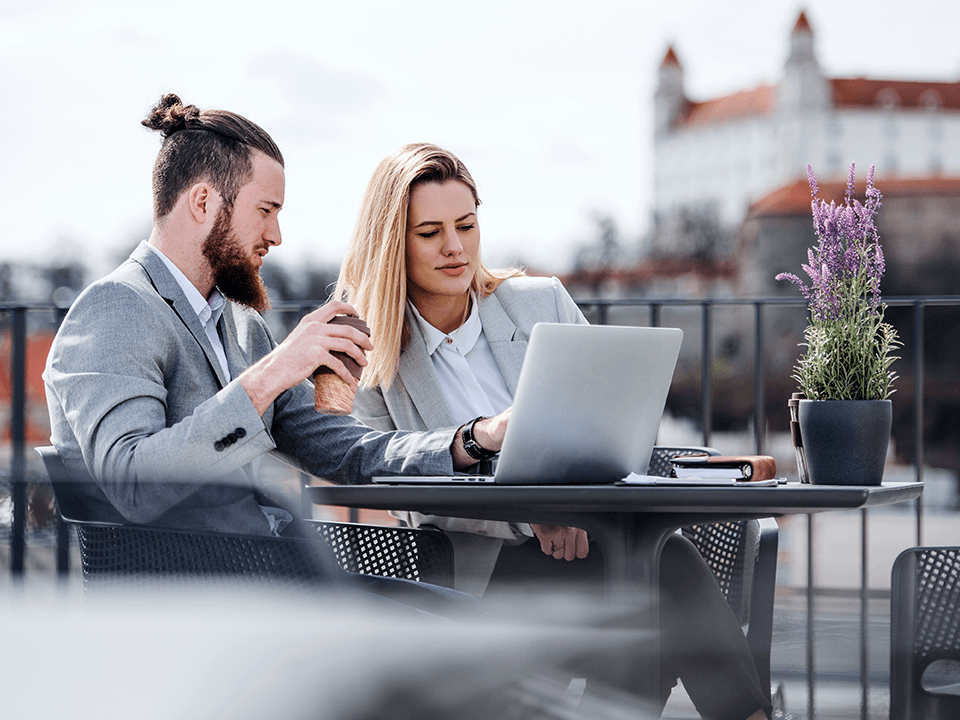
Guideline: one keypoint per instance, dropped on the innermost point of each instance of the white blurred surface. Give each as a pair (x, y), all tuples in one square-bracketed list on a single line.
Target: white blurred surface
[(241, 655)]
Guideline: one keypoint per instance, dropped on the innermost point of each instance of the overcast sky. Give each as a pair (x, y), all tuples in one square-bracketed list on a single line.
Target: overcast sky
[(548, 103)]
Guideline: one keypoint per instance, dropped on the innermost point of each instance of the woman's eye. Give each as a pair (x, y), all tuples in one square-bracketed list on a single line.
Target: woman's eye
[(429, 234), (466, 228)]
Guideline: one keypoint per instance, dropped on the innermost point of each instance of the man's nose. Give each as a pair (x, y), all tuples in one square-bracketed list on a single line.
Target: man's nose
[(272, 233)]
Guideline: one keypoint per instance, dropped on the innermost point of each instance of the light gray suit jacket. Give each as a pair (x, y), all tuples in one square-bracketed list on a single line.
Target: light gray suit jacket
[(415, 401), (138, 400)]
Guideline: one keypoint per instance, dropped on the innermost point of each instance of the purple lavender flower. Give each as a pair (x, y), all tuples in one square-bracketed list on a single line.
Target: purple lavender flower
[(814, 188), (847, 253), (849, 346)]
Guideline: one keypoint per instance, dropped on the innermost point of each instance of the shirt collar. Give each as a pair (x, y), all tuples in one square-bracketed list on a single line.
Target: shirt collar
[(205, 308), (464, 337)]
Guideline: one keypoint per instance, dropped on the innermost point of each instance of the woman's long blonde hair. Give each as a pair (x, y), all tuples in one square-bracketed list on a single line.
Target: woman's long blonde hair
[(373, 277)]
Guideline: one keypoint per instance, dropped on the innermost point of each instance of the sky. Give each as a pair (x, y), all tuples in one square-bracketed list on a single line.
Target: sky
[(549, 104)]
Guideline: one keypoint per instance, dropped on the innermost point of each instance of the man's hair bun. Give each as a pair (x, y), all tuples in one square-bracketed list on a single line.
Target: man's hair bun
[(170, 115)]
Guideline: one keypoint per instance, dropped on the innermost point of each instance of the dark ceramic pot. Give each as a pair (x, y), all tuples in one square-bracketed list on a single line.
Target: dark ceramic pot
[(845, 441)]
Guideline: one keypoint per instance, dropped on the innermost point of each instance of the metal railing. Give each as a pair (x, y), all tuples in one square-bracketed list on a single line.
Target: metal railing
[(13, 321)]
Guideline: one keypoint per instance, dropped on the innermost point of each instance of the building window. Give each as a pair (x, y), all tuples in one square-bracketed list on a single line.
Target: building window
[(888, 99), (931, 100)]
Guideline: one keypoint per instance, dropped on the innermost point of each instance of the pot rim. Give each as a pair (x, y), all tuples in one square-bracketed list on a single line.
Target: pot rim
[(883, 400)]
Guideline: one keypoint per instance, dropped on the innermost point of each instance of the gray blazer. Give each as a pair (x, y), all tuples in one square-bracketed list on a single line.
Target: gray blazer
[(415, 401), (138, 400)]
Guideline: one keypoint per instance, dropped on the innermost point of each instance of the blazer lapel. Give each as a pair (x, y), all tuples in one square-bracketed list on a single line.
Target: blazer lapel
[(170, 290), (415, 369), (237, 360), (508, 349)]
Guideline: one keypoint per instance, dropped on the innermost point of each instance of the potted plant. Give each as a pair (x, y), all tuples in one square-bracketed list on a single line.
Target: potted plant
[(845, 373)]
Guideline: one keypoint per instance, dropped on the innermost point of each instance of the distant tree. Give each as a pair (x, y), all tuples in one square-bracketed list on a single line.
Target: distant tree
[(6, 282), (602, 252), (690, 233)]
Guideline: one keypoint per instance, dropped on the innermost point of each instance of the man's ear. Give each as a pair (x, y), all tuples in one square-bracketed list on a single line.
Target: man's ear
[(202, 202)]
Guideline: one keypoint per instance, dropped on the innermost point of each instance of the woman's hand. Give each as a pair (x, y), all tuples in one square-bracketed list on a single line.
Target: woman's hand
[(563, 543), (488, 434)]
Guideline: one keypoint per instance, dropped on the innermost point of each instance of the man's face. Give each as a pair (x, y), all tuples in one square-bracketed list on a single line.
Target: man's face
[(242, 235)]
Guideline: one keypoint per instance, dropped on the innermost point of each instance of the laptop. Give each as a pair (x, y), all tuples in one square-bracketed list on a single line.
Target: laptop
[(587, 407)]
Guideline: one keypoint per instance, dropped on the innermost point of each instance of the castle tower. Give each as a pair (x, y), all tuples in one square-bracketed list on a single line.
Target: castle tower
[(669, 100), (803, 87)]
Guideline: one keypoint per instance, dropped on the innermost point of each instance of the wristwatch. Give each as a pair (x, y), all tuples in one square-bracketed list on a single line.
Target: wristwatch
[(470, 444)]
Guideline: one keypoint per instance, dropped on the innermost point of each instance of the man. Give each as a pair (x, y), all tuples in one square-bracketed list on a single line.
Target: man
[(165, 384)]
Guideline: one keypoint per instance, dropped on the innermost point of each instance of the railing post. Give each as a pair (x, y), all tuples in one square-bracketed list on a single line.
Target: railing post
[(759, 379), (811, 639), (706, 375), (602, 313), (918, 395), (18, 373), (864, 614)]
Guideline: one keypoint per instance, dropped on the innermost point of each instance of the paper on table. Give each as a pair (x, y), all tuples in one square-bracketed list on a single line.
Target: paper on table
[(635, 479)]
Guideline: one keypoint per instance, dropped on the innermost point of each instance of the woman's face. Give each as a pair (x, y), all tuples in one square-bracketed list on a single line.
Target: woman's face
[(443, 241)]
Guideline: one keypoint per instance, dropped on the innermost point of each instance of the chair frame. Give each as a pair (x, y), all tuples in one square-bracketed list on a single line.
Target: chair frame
[(743, 558), (924, 628)]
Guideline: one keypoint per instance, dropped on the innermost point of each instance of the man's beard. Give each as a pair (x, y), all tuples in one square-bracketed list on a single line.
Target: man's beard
[(234, 273)]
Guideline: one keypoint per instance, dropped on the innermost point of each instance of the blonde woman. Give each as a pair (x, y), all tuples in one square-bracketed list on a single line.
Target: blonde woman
[(449, 336)]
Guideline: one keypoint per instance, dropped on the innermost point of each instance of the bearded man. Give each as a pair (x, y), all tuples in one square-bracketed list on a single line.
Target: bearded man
[(164, 383)]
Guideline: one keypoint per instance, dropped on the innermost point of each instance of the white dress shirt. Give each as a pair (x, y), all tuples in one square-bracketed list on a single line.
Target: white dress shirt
[(471, 382), (467, 370), (208, 310)]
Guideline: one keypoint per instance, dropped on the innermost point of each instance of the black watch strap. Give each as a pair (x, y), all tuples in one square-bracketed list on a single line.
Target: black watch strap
[(470, 444)]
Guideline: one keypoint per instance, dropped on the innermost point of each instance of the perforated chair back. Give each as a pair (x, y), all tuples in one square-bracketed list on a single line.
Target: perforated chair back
[(114, 553), (742, 557), (925, 634), (424, 554)]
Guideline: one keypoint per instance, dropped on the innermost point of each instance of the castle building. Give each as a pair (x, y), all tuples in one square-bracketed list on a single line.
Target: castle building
[(719, 156)]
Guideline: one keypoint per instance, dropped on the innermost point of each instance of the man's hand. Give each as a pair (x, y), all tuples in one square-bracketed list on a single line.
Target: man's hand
[(488, 434), (563, 543), (309, 346)]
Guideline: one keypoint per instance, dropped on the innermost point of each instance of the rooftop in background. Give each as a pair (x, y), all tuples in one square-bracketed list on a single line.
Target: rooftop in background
[(794, 198)]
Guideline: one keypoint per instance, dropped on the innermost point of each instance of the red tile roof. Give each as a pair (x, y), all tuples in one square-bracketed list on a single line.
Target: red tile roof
[(802, 23), (861, 92), (761, 100), (670, 58), (847, 93), (794, 199)]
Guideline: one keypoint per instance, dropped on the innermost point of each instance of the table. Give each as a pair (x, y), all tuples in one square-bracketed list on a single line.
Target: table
[(630, 523)]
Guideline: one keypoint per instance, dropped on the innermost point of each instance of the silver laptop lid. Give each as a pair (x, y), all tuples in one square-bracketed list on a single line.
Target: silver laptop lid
[(588, 403)]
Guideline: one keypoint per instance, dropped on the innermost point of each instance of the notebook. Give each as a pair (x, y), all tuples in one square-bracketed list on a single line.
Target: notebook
[(587, 407)]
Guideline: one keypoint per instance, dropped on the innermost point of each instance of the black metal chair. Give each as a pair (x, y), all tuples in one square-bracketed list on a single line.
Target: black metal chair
[(743, 558), (112, 553), (925, 634)]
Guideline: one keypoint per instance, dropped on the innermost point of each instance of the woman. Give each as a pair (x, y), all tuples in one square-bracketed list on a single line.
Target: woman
[(449, 337)]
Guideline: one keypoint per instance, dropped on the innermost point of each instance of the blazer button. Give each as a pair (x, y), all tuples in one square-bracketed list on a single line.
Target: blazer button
[(240, 432), (218, 445), (231, 439)]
